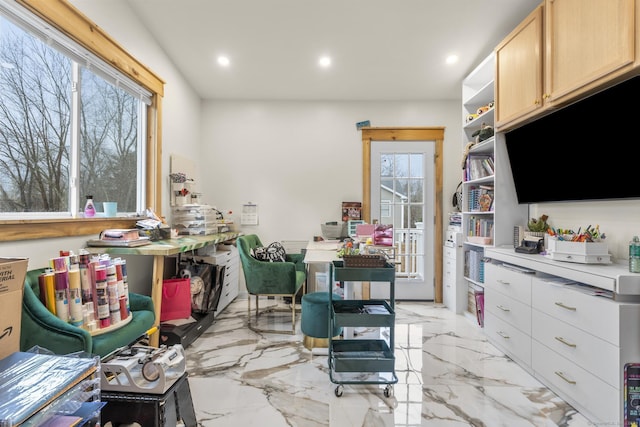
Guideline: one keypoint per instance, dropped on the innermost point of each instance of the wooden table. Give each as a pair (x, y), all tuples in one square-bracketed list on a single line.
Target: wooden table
[(159, 250)]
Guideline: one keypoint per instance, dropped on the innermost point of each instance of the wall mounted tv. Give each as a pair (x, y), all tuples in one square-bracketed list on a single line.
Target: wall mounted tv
[(589, 150)]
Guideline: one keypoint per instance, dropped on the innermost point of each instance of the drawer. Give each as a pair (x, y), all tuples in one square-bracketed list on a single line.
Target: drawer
[(229, 285), (448, 252), (595, 355), (513, 283), (449, 271), (598, 400), (509, 339), (595, 315), (232, 277), (511, 311)]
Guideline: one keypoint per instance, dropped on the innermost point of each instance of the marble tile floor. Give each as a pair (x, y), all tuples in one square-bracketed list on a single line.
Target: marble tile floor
[(447, 375)]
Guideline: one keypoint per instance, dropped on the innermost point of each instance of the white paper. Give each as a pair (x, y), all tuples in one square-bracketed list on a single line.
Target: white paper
[(249, 214)]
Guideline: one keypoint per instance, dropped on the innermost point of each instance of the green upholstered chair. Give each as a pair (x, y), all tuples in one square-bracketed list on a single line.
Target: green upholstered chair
[(264, 278), (42, 328)]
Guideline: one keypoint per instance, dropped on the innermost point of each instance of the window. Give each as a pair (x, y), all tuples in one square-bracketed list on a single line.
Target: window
[(71, 123), (65, 130)]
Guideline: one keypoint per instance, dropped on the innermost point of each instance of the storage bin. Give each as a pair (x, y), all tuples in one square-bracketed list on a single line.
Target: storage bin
[(330, 231), (577, 248)]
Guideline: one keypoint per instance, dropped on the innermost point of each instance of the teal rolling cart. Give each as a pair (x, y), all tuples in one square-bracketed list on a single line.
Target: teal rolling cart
[(363, 360)]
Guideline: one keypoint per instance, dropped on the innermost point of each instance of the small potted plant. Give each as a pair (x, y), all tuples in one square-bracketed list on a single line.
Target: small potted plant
[(537, 227)]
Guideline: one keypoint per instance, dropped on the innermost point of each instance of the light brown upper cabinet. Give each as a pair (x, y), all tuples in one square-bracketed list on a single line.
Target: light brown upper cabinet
[(582, 45), (518, 85), (587, 42)]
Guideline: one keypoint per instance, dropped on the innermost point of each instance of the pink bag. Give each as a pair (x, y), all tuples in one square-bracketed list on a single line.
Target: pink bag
[(383, 235), (176, 299)]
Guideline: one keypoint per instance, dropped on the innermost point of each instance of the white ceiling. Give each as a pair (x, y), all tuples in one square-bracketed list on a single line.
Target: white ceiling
[(381, 49)]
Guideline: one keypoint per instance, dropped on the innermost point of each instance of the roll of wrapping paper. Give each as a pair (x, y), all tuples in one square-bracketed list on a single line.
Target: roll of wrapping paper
[(85, 279), (123, 285), (122, 298), (112, 292), (47, 290), (59, 263), (75, 296), (62, 295), (102, 298)]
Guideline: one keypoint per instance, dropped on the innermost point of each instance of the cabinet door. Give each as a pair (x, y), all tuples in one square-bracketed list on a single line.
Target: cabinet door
[(519, 72), (587, 43)]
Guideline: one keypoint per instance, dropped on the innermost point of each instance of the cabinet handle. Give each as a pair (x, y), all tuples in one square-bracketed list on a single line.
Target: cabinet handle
[(502, 308), (504, 282), (565, 342), (503, 335), (559, 304), (561, 375)]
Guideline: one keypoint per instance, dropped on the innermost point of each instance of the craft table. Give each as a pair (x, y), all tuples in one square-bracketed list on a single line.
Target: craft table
[(159, 250)]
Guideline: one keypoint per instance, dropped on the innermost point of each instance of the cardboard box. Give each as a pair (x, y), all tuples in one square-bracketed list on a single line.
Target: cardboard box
[(12, 274)]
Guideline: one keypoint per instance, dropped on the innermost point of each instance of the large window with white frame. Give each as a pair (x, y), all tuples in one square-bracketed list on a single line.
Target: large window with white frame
[(71, 125)]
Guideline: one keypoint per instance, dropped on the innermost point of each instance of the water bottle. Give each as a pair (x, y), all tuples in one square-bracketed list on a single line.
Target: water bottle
[(634, 255)]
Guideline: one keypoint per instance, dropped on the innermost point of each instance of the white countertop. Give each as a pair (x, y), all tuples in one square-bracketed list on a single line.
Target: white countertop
[(614, 277)]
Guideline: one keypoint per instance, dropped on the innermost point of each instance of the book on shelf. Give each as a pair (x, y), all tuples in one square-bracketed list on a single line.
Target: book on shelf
[(479, 167), (479, 298)]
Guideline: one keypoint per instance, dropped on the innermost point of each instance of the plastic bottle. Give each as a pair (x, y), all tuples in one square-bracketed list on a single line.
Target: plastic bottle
[(89, 208), (634, 255)]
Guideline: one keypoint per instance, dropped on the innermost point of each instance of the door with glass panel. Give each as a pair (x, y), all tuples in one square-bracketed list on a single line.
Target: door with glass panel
[(403, 195)]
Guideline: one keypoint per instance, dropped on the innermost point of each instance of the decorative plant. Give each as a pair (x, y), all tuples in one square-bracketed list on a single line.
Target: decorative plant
[(538, 225)]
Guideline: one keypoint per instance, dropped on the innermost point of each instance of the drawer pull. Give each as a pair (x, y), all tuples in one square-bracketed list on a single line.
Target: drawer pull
[(503, 335), (503, 308), (559, 304), (565, 342), (504, 282), (561, 375)]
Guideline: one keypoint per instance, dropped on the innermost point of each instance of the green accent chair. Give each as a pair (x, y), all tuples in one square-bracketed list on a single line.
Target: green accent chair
[(42, 328), (264, 278)]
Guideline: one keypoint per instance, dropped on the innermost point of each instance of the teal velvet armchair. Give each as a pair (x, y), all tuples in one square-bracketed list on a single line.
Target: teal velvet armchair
[(42, 328), (263, 278)]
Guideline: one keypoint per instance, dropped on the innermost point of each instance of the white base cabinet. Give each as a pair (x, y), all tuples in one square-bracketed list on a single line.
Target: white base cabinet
[(454, 287), (228, 256), (564, 332)]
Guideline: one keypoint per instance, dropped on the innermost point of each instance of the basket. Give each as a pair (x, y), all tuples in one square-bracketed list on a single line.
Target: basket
[(367, 261)]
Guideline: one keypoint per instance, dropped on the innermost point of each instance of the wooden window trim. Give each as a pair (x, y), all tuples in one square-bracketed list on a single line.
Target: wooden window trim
[(69, 20)]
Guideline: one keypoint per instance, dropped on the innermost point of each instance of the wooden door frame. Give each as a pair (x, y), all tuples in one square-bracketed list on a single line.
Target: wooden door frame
[(436, 134)]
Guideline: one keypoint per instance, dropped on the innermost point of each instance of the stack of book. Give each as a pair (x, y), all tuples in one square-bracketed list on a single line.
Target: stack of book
[(122, 237)]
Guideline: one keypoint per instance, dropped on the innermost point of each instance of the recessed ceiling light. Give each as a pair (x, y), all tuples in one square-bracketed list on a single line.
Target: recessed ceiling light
[(452, 59), (324, 61), (223, 61)]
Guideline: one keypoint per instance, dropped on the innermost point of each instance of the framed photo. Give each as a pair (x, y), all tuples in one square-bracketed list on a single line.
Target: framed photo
[(351, 211)]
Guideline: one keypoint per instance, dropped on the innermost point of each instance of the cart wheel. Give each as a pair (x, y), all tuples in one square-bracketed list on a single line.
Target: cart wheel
[(388, 391), (339, 390)]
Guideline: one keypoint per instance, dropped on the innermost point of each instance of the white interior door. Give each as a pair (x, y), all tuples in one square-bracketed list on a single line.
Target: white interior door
[(403, 194)]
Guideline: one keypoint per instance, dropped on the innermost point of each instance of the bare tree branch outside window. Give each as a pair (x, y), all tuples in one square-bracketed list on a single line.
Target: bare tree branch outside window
[(35, 130)]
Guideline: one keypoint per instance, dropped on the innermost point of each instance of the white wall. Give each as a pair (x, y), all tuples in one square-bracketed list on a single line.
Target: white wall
[(298, 161)]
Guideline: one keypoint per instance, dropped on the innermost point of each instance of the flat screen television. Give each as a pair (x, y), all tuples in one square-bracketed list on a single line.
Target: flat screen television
[(589, 150)]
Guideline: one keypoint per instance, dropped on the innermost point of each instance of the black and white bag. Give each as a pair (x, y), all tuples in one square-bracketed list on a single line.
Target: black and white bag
[(206, 283), (274, 253)]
